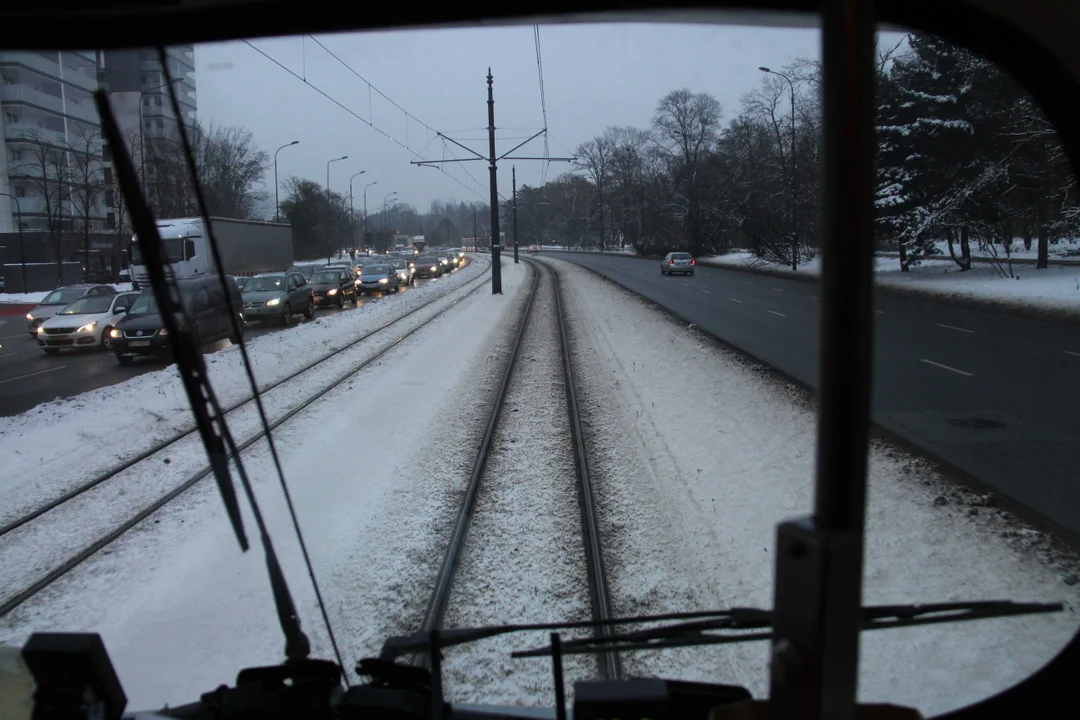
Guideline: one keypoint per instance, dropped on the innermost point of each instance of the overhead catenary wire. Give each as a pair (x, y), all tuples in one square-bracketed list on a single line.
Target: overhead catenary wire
[(361, 118), (543, 102), (371, 88)]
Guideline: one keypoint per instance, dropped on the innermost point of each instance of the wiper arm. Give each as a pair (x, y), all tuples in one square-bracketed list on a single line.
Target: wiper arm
[(879, 617)]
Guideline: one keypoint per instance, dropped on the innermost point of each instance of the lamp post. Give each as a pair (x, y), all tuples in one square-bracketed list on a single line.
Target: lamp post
[(277, 205), (22, 247), (373, 182), (352, 211), (794, 203), (386, 218), (514, 176), (343, 157)]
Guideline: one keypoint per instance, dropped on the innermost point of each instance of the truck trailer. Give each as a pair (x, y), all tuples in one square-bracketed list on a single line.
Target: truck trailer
[(247, 247)]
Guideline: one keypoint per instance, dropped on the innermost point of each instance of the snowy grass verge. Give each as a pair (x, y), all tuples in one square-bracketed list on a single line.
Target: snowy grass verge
[(42, 446), (375, 469), (698, 453), (1054, 290)]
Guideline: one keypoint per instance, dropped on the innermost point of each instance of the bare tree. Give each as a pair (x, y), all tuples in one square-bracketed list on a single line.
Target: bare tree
[(595, 157), (229, 165), (44, 170), (87, 182), (686, 126)]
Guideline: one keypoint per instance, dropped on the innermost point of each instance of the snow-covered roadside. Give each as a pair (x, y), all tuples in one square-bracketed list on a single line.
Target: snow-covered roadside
[(523, 561), (375, 470), (36, 297), (150, 407), (697, 454), (1055, 289)]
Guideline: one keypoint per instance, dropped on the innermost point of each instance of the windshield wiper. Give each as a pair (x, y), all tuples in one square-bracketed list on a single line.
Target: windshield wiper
[(693, 626), (876, 617)]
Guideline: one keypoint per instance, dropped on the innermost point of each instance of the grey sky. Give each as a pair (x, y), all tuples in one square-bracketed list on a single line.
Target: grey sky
[(594, 76)]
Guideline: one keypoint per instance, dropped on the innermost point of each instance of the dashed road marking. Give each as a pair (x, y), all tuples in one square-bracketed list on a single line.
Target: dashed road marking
[(944, 367)]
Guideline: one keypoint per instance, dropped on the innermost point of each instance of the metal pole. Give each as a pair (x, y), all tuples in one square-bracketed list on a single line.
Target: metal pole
[(513, 175), (328, 253), (818, 583), (22, 246), (794, 198), (277, 205), (374, 182), (496, 270), (386, 217), (352, 212), (475, 229)]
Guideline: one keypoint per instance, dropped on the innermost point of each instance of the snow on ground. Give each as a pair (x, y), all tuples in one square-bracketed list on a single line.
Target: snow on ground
[(36, 297), (1056, 288), (375, 470), (698, 454), (523, 561), (151, 407)]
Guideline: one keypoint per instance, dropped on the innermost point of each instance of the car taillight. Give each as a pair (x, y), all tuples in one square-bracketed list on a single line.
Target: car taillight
[(693, 262), (671, 262)]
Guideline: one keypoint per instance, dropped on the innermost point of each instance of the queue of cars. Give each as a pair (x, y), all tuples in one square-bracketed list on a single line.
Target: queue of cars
[(130, 324)]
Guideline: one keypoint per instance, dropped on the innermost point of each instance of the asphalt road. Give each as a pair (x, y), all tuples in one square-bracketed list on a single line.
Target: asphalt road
[(29, 377), (993, 394)]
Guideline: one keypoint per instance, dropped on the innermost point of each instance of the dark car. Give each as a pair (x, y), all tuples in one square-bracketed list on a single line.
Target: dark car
[(378, 278), (142, 331), (429, 266), (277, 297), (333, 287)]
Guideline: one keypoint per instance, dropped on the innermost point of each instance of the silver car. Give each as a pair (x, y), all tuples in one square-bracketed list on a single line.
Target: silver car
[(57, 300), (678, 262)]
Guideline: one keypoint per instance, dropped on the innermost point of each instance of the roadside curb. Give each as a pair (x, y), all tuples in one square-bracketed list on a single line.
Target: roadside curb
[(1003, 306)]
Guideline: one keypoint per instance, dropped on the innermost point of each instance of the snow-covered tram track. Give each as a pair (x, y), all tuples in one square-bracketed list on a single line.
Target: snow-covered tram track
[(516, 551), (98, 512)]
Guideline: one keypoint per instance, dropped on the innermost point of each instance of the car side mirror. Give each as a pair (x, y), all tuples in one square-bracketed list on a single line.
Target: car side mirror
[(121, 309)]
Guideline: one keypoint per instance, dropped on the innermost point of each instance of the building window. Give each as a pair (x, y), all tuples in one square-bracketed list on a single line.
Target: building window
[(106, 152), (110, 220), (109, 199), (159, 124), (107, 175), (142, 79), (157, 100), (20, 191)]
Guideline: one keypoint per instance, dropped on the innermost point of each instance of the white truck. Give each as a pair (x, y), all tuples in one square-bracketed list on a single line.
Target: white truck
[(247, 247)]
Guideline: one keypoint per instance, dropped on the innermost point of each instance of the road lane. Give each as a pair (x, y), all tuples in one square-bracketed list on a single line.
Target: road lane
[(29, 377), (988, 392)]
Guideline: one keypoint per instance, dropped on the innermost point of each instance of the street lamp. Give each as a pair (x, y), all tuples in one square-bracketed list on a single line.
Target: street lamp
[(22, 247), (277, 205), (352, 211), (343, 157), (373, 182), (386, 219), (794, 203)]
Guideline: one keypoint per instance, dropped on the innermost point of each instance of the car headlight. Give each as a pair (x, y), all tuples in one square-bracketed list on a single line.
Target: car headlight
[(275, 301), (41, 329), (29, 317), (384, 280), (333, 291), (163, 331), (88, 327), (114, 333)]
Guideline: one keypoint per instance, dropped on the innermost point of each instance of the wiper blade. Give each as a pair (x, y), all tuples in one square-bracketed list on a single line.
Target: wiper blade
[(880, 617), (421, 641)]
